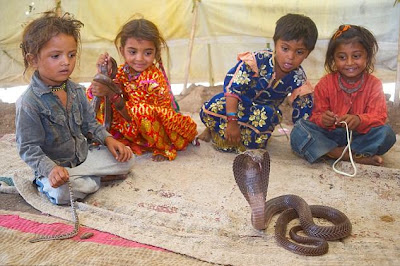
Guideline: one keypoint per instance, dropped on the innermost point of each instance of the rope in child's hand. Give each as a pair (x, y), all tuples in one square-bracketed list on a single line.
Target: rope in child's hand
[(349, 135)]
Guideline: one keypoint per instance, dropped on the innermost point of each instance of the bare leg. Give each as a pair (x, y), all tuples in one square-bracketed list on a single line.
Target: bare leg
[(205, 135), (372, 160), (159, 158)]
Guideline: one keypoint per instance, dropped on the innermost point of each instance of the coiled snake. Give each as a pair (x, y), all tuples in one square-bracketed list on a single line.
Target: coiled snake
[(251, 171)]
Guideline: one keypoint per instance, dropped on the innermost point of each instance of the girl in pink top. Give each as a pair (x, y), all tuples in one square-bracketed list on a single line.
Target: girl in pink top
[(348, 93)]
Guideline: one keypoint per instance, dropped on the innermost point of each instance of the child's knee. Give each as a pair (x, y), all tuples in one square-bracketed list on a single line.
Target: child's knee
[(299, 137)]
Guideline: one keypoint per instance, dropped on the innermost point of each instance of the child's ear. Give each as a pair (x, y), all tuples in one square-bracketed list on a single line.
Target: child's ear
[(121, 50), (32, 60)]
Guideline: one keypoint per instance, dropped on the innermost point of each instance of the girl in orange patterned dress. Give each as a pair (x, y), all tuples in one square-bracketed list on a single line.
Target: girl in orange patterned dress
[(145, 114)]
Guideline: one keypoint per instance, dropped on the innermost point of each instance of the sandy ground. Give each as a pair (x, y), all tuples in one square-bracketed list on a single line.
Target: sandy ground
[(190, 100)]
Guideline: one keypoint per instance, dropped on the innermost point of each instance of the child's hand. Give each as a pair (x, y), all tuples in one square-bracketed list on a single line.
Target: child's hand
[(101, 90), (232, 133), (103, 60), (352, 121), (121, 152), (58, 176), (328, 118)]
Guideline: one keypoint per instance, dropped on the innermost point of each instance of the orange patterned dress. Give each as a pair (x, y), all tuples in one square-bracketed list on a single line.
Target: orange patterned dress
[(155, 125)]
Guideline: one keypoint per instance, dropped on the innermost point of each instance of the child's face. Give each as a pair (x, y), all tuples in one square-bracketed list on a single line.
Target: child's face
[(350, 60), (288, 56), (139, 54), (56, 59)]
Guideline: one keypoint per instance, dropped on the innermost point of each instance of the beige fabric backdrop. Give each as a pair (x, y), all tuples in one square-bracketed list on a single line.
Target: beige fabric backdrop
[(223, 29)]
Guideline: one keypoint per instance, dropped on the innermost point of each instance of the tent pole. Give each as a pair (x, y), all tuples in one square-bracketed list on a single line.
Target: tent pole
[(397, 87), (192, 33), (58, 8), (210, 67)]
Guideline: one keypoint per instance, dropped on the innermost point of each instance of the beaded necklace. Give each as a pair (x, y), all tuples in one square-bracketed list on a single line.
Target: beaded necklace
[(350, 90), (63, 86)]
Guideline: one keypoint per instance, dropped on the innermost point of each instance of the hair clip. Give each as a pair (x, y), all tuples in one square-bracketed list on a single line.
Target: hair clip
[(340, 31)]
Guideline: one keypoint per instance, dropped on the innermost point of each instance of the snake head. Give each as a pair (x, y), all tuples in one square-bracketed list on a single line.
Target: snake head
[(251, 171)]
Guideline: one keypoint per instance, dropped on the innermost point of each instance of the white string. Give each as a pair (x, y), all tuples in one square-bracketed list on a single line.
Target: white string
[(349, 135)]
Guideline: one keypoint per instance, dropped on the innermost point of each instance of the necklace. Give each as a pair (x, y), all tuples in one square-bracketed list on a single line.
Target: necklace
[(63, 86), (128, 71), (350, 90)]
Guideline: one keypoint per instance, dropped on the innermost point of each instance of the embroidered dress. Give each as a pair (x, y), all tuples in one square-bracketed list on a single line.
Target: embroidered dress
[(155, 125), (252, 82)]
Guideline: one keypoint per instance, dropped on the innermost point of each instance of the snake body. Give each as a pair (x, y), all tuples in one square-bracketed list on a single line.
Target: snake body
[(251, 171), (75, 218), (104, 78)]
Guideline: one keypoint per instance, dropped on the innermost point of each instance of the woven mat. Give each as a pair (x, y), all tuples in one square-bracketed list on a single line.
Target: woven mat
[(17, 228), (192, 206)]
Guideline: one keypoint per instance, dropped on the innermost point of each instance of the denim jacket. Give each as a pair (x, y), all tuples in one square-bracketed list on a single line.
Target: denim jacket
[(47, 134)]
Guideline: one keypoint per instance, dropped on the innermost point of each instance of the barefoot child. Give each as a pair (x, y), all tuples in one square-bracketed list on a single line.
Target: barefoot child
[(245, 114), (143, 114), (54, 118), (348, 93)]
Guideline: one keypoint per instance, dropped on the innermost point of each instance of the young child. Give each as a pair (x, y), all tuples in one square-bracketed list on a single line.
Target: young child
[(54, 118), (348, 93), (143, 114), (245, 114)]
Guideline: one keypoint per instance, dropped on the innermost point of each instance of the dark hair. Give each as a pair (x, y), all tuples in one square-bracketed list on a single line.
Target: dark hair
[(141, 29), (296, 27), (41, 30), (350, 34)]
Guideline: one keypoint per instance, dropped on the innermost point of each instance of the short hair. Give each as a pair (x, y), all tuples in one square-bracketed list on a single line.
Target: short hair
[(296, 27), (38, 32)]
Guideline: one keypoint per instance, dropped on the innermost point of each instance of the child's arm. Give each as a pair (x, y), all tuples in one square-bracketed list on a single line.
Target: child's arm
[(375, 110), (302, 101), (121, 152), (30, 137), (322, 113), (232, 131)]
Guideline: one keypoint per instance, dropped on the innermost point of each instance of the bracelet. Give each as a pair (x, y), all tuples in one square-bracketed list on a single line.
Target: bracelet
[(115, 98), (231, 114), (231, 118)]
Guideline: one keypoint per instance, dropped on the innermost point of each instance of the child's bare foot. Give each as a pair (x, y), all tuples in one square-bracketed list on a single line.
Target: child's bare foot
[(159, 158), (205, 135), (372, 160), (109, 178)]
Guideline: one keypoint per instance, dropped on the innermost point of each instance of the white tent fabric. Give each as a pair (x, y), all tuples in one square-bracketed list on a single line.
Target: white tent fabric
[(223, 29)]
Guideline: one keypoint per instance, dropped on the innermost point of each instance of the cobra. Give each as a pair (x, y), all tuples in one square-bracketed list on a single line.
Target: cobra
[(251, 170)]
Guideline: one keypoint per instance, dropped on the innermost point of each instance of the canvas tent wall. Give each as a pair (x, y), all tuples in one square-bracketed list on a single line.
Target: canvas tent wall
[(222, 29)]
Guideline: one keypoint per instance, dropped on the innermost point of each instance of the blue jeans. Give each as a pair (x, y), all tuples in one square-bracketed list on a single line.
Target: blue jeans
[(312, 142)]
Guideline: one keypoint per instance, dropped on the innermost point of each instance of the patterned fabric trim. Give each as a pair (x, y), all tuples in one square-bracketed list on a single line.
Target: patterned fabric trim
[(305, 89), (250, 60)]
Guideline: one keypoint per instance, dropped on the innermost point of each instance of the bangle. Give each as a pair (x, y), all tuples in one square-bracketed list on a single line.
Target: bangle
[(115, 98), (231, 114), (231, 118)]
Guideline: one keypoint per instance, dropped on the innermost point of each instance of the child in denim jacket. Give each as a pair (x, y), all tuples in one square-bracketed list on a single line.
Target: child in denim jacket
[(54, 118)]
